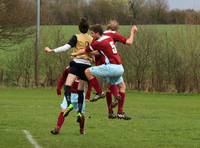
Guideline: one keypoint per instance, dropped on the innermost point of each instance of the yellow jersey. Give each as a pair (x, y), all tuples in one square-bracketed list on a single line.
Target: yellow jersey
[(83, 40)]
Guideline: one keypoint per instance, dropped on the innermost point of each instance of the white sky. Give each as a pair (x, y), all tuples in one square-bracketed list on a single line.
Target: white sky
[(184, 4)]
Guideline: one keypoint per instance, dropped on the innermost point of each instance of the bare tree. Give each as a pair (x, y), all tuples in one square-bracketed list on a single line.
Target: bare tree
[(14, 22), (136, 9)]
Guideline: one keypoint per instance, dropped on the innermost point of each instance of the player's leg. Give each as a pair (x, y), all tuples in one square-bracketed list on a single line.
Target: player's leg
[(121, 114), (82, 124), (61, 117), (108, 71), (82, 120), (115, 92), (72, 76), (115, 77), (111, 114), (59, 124), (93, 82), (114, 81), (67, 89), (81, 117), (88, 92), (80, 99), (81, 74)]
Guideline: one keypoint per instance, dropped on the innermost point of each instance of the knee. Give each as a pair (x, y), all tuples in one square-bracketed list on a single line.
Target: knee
[(88, 74), (87, 71)]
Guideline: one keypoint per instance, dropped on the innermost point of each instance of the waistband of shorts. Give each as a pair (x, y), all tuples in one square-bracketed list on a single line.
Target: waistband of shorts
[(82, 61)]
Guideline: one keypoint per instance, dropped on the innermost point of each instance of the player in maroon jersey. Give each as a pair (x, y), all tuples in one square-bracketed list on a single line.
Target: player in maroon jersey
[(74, 100), (111, 70), (111, 31)]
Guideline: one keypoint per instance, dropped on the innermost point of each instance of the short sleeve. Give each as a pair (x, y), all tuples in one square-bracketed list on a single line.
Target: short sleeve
[(72, 42), (119, 38)]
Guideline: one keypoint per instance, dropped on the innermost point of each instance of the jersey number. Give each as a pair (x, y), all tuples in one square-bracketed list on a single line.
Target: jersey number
[(114, 49)]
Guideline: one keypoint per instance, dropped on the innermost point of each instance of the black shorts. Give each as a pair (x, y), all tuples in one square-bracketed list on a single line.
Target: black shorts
[(78, 69)]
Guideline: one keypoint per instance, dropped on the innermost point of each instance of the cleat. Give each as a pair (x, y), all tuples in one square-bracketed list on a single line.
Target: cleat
[(111, 116), (55, 131), (97, 97), (116, 101), (123, 116), (79, 115), (68, 110)]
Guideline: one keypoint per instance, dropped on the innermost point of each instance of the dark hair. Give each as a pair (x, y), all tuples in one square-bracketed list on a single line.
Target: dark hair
[(83, 25), (97, 29)]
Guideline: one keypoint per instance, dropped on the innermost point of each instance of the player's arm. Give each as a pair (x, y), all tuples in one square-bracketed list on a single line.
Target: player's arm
[(59, 49), (133, 32), (72, 43), (88, 49), (79, 52), (95, 52)]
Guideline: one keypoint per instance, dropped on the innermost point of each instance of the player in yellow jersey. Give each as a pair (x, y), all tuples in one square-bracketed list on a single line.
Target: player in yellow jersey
[(78, 66)]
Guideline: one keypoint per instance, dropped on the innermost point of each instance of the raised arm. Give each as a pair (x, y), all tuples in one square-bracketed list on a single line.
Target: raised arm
[(133, 32), (59, 49), (72, 43)]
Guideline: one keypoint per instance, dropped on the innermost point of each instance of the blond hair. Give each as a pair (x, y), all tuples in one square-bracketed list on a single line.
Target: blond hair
[(113, 25)]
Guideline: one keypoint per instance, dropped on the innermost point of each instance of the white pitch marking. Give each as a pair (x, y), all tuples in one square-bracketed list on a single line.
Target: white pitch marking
[(31, 139)]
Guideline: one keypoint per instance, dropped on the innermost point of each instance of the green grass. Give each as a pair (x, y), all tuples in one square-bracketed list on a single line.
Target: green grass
[(159, 121)]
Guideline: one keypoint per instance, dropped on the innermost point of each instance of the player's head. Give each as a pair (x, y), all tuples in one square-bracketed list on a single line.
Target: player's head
[(113, 25), (83, 25), (96, 30)]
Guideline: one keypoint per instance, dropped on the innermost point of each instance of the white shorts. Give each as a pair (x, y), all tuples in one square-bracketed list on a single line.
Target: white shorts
[(111, 73), (74, 101)]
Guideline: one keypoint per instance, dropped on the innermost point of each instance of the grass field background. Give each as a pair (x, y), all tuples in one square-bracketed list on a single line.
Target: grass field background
[(159, 120)]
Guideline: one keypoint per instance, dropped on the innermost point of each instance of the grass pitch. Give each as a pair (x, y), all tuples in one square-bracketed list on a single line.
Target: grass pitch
[(159, 121)]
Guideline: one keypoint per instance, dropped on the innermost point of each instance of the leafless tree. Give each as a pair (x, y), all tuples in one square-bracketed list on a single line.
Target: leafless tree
[(14, 22)]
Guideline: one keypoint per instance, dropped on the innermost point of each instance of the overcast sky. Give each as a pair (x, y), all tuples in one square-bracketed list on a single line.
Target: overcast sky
[(184, 4)]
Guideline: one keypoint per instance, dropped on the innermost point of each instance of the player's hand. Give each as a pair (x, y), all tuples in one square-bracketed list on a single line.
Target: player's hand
[(48, 50), (95, 52), (134, 29), (73, 54), (58, 92)]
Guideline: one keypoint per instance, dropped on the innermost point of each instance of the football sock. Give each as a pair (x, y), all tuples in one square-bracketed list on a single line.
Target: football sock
[(94, 83), (114, 90), (121, 102), (80, 100), (60, 120), (109, 101), (88, 93), (81, 124), (67, 94)]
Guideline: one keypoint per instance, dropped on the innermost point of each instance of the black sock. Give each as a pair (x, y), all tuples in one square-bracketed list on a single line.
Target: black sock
[(80, 100), (67, 93)]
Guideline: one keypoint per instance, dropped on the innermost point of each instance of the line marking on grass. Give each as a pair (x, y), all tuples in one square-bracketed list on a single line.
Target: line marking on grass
[(31, 139)]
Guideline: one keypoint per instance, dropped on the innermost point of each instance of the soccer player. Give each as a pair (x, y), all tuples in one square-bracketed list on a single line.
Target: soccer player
[(78, 66), (111, 31), (74, 100), (112, 69)]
